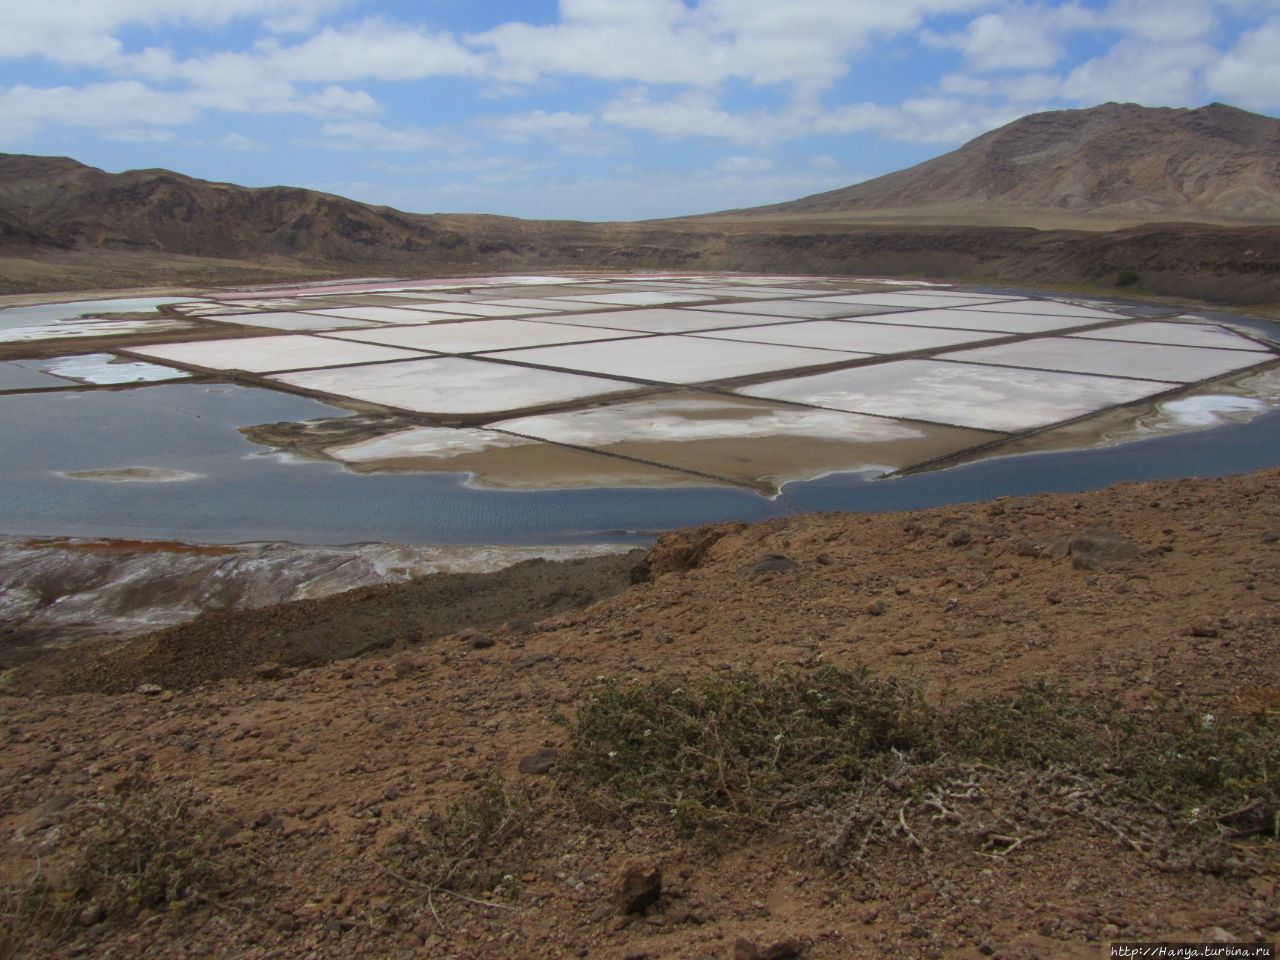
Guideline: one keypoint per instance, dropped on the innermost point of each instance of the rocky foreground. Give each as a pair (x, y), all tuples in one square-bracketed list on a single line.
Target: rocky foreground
[(506, 793)]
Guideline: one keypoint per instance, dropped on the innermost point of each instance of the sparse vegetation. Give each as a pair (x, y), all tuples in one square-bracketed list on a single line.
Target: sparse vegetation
[(720, 756), (1127, 277), (152, 849), (31, 911), (145, 849), (471, 848)]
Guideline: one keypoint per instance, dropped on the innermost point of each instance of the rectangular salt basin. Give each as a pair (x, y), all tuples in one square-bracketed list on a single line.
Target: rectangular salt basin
[(542, 304), (639, 298), (92, 327), (746, 293), (454, 385), (271, 354), (1111, 358), (473, 336), (663, 320), (957, 319), (799, 309), (1176, 334), (922, 300), (392, 315), (747, 441), (294, 321), (105, 369), (860, 337), (1049, 308), (484, 309), (960, 394), (674, 359), (44, 313), (441, 297)]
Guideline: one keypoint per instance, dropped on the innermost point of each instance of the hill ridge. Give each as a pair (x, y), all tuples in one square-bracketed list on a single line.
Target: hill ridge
[(1166, 163)]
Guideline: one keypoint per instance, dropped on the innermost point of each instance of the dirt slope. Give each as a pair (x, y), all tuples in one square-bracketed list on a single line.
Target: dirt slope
[(315, 774), (1215, 163)]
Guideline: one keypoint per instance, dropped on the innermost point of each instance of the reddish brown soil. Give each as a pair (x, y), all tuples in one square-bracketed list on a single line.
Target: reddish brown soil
[(316, 771)]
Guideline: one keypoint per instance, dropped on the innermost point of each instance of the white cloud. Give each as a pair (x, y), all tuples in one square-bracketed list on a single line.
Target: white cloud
[(140, 136), (371, 135), (1166, 21), (121, 106), (1249, 75), (238, 141), (81, 31), (997, 41), (803, 42), (1152, 74), (573, 134), (742, 165), (915, 120), (537, 124)]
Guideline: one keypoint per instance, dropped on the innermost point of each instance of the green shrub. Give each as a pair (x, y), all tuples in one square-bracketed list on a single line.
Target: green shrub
[(471, 846), (150, 849), (729, 753)]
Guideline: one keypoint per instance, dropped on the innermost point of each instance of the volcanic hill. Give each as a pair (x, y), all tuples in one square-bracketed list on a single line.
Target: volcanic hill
[(1188, 201), (1215, 164)]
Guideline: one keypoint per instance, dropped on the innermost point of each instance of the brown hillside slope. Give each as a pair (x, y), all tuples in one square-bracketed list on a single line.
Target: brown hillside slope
[(1215, 163), (60, 203), (312, 781)]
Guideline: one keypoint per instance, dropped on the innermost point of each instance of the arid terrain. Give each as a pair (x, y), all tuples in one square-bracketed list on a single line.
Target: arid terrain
[(1176, 202), (1023, 728), (511, 792)]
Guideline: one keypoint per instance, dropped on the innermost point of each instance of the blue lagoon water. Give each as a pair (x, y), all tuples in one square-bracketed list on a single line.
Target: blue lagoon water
[(246, 492)]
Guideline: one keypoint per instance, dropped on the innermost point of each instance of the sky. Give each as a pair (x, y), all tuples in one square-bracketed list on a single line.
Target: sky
[(592, 109)]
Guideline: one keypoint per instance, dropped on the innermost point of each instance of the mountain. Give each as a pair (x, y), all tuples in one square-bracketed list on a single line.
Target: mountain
[(1189, 200), (58, 202), (1118, 160)]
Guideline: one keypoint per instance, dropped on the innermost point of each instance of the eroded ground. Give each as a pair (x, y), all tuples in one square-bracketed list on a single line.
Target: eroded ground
[(1139, 595)]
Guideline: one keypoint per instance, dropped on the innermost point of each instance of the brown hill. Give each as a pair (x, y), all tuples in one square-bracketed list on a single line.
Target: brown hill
[(482, 795), (58, 202), (1122, 161), (996, 211)]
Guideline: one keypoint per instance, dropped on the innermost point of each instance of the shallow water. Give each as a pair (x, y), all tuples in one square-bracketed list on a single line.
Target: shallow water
[(245, 492), (43, 313)]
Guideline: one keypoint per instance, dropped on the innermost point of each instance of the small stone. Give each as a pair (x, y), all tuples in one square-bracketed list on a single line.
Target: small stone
[(538, 762), (272, 670), (770, 563), (1271, 536), (1216, 935), (148, 689), (959, 538), (480, 641), (93, 913), (789, 949), (531, 660), (639, 887), (876, 608)]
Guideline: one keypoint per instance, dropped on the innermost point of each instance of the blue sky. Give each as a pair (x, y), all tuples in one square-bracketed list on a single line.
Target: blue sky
[(592, 109)]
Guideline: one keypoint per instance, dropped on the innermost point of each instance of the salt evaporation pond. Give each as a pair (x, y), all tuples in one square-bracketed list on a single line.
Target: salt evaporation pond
[(544, 410), (244, 492), (43, 313)]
